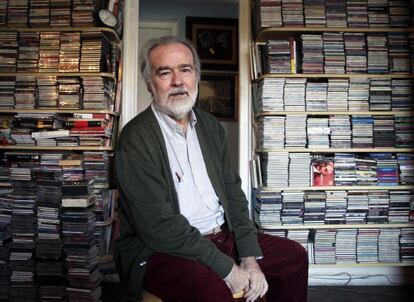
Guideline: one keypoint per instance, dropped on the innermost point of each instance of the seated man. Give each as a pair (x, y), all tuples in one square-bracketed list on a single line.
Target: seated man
[(185, 228)]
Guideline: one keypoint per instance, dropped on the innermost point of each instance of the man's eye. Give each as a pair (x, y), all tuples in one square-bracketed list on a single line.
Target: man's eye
[(164, 74)]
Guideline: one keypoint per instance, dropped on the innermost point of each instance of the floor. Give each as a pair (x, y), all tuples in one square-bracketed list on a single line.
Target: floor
[(113, 292)]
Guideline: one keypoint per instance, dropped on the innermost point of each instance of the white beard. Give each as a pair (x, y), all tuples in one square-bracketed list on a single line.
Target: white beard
[(176, 109)]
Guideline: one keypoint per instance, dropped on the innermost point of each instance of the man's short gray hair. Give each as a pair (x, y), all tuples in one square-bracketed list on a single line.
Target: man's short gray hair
[(167, 40)]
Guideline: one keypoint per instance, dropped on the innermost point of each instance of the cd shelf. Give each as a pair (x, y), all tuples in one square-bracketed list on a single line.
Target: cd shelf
[(268, 33), (392, 112), (333, 150), (109, 33), (59, 74), (335, 188), (343, 226)]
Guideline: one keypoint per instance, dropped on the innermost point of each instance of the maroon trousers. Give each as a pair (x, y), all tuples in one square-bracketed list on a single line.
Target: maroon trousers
[(176, 279)]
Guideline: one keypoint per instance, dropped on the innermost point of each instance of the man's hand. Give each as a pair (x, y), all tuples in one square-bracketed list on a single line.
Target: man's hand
[(258, 285), (237, 280)]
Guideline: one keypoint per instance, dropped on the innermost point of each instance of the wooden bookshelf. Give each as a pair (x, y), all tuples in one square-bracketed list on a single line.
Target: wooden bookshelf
[(269, 33), (62, 111), (338, 75), (59, 74), (108, 32), (343, 226), (336, 188), (361, 265), (324, 113), (55, 148)]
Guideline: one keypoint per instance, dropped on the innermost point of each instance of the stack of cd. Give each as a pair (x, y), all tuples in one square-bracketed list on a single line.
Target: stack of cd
[(356, 53), (267, 210), (295, 131), (384, 131), (318, 132), (28, 52), (83, 13), (312, 53), (48, 94), (292, 212), (299, 169), (357, 13), (401, 94), (336, 205), (69, 56), (49, 51), (380, 94), (7, 87), (377, 53), (404, 131), (69, 93), (378, 13), (315, 207), (25, 92), (406, 168), (378, 206), (270, 94), (8, 51), (292, 13), (334, 51), (39, 11), (362, 131), (23, 225), (399, 52), (325, 251), (367, 245), (316, 94), (314, 13), (276, 168), (399, 12), (399, 210), (295, 94), (357, 207), (358, 95), (335, 13), (271, 132), (17, 13), (60, 13), (344, 165), (346, 240), (340, 126), (337, 97), (389, 245)]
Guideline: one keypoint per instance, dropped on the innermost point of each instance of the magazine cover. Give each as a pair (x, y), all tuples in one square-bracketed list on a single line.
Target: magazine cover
[(323, 172)]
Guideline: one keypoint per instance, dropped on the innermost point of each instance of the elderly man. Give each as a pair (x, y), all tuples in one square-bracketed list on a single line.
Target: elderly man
[(185, 228)]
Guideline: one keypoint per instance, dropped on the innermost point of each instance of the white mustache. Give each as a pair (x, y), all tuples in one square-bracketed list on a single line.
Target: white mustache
[(177, 91)]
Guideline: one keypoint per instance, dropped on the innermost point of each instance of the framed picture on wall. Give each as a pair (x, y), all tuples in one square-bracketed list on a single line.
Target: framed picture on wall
[(218, 95), (215, 40)]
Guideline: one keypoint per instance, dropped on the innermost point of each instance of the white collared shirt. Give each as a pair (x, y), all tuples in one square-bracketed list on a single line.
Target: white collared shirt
[(197, 199)]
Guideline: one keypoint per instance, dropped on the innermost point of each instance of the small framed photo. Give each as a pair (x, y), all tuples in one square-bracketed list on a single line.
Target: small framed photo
[(218, 95), (216, 41)]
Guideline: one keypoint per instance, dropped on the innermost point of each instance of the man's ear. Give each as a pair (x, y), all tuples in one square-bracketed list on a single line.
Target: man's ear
[(149, 89)]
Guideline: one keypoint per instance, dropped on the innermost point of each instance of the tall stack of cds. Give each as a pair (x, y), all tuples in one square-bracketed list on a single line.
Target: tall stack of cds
[(357, 13)]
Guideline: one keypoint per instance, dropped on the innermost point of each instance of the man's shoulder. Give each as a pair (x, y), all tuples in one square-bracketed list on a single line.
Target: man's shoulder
[(140, 121)]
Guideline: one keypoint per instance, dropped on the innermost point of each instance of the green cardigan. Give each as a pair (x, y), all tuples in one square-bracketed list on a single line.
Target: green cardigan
[(149, 210)]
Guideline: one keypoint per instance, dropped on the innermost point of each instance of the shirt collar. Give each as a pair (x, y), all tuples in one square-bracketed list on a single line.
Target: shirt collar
[(171, 124)]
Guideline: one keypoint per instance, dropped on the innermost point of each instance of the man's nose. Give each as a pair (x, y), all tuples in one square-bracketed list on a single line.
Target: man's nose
[(177, 79)]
